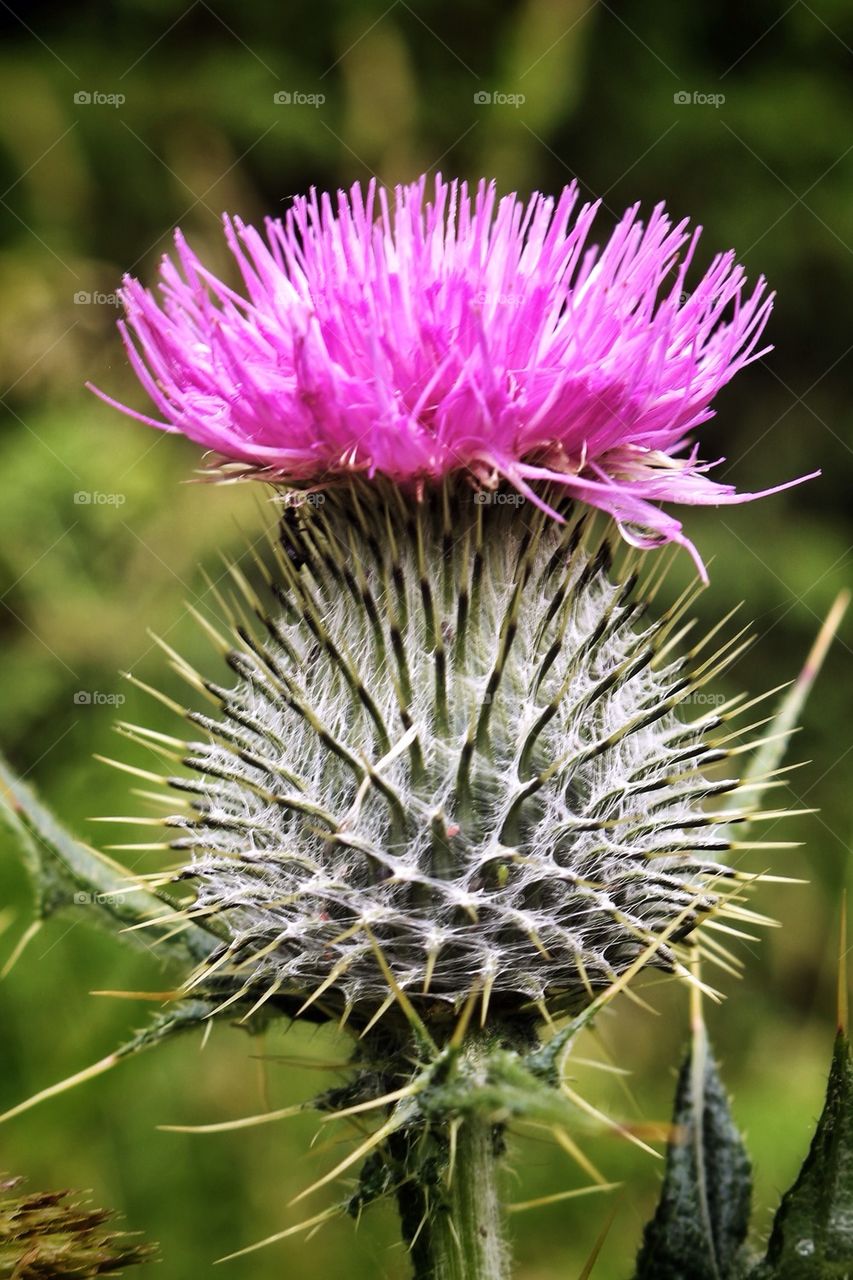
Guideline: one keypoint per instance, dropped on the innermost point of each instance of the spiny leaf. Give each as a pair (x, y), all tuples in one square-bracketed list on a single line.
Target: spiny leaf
[(812, 1237), (67, 875), (703, 1212)]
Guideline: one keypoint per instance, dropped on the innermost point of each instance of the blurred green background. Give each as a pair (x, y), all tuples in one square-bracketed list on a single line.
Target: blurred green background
[(91, 189)]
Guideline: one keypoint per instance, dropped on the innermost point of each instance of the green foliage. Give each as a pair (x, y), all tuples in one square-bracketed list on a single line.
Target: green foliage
[(701, 1222), (812, 1236), (703, 1213)]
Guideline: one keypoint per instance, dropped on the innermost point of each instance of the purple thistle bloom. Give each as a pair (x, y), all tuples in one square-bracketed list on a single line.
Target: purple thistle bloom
[(413, 338)]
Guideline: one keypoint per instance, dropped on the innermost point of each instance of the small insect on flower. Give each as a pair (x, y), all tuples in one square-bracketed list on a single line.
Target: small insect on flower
[(412, 338)]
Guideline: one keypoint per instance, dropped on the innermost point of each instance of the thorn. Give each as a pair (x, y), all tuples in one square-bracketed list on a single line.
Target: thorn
[(21, 946), (707, 953), (246, 1122), (733, 912), (640, 1002), (726, 928), (316, 1221), (89, 1073), (219, 641), (486, 993), (363, 1149), (454, 1127), (131, 822), (232, 999), (768, 844), (152, 845), (271, 990), (155, 997), (600, 1066), (599, 1244), (584, 976), (327, 982), (398, 994), (137, 731), (432, 956), (463, 1022), (372, 1103), (155, 693), (614, 1125), (761, 877), (521, 1205), (171, 801), (145, 774), (380, 1013), (572, 1149)]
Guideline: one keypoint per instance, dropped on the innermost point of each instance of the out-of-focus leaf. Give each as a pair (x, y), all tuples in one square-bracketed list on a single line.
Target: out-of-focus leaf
[(702, 1217), (812, 1237)]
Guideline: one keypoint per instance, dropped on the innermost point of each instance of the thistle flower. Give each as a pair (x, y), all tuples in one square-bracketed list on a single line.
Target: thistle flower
[(452, 790), (413, 338)]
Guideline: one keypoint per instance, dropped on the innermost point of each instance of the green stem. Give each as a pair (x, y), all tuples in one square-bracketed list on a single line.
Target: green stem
[(468, 1236), (453, 1221)]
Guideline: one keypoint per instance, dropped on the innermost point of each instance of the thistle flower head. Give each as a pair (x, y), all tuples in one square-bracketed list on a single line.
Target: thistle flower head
[(410, 337), (452, 760)]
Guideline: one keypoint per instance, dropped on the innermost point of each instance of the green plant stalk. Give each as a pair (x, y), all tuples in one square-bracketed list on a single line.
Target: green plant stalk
[(468, 1239), (457, 1231), (452, 1216)]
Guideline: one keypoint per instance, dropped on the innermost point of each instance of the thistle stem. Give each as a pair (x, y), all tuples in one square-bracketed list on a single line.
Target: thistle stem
[(468, 1236), (456, 1230)]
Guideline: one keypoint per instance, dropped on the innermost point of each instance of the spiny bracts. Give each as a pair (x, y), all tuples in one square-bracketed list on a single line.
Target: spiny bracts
[(453, 759)]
